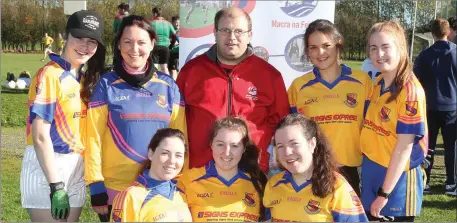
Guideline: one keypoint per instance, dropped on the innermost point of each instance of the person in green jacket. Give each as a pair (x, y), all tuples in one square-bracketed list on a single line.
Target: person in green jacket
[(164, 31)]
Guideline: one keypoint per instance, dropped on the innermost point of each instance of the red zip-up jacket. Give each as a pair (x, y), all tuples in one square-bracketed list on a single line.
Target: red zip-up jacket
[(254, 90)]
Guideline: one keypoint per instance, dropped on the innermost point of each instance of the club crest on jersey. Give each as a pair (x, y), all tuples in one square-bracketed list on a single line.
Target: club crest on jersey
[(355, 199), (411, 108), (249, 199), (312, 207), (252, 93), (161, 101), (384, 113), (116, 215), (351, 100)]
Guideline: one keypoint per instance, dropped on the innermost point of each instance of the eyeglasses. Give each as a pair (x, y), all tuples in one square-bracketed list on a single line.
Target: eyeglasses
[(228, 32)]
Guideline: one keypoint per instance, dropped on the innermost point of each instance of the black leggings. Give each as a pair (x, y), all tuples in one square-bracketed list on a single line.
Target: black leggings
[(105, 218)]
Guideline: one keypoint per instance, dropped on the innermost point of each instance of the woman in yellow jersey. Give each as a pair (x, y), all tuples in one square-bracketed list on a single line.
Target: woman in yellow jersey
[(230, 187), (128, 106), (310, 189), (333, 95), (394, 135), (52, 182), (154, 195)]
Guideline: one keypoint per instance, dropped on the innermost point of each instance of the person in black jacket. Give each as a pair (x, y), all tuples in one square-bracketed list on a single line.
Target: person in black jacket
[(436, 69)]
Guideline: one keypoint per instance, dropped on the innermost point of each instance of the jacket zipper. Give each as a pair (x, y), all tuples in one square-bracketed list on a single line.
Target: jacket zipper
[(229, 96)]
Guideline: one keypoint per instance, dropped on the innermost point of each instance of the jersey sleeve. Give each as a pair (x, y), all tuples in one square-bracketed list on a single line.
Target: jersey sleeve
[(97, 120), (346, 206), (178, 118), (124, 208), (292, 97), (368, 92), (411, 110), (43, 93), (267, 200)]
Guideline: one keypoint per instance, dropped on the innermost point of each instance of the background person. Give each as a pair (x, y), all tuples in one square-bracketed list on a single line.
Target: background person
[(174, 49), (52, 176), (436, 69), (164, 31), (47, 41)]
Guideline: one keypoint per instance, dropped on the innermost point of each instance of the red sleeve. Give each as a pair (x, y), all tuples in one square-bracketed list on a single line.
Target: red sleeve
[(280, 107)]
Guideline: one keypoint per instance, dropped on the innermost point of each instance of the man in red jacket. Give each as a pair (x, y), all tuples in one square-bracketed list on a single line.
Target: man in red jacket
[(229, 80)]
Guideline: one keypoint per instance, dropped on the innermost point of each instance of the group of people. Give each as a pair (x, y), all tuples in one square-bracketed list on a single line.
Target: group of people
[(47, 43), (152, 149)]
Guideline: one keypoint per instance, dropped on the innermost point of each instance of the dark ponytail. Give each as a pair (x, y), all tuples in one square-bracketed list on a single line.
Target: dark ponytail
[(249, 160)]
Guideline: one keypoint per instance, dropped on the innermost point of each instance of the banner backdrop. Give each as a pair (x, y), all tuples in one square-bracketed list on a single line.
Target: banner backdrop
[(277, 30)]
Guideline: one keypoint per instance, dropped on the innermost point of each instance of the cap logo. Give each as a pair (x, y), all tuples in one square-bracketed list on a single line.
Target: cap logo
[(91, 22)]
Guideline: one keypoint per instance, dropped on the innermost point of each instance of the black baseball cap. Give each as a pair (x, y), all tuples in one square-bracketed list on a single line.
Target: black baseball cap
[(86, 24)]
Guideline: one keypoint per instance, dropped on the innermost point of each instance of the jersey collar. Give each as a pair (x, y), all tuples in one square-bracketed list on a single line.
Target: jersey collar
[(212, 172), (287, 178), (382, 83), (345, 76), (165, 188), (66, 66)]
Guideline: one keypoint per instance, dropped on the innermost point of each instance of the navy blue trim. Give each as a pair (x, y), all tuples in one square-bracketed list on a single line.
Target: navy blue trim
[(212, 172), (287, 178), (66, 66), (365, 107), (345, 72), (165, 188), (310, 83), (391, 88), (97, 188)]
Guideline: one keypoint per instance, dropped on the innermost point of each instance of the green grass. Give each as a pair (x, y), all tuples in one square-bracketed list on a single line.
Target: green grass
[(13, 141), (353, 64), (16, 63), (14, 109)]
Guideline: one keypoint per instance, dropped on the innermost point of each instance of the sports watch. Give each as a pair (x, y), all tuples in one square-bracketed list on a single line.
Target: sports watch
[(383, 194)]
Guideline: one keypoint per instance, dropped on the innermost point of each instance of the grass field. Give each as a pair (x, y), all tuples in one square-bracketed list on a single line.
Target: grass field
[(436, 207)]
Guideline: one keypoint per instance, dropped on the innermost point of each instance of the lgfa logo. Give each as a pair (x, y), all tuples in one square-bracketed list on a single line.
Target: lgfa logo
[(298, 9)]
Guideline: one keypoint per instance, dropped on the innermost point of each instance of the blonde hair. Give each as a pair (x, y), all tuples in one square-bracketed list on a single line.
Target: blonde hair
[(404, 68)]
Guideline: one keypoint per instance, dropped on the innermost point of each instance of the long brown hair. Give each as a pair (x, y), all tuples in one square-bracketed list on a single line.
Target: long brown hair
[(249, 159), (328, 28), (404, 68), (324, 166)]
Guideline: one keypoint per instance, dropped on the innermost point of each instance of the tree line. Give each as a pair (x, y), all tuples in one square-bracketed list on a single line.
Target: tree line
[(24, 22)]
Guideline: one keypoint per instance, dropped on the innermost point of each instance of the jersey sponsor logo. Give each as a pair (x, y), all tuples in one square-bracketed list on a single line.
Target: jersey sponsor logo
[(249, 200), (205, 195), (378, 129), (161, 101), (411, 108), (329, 96), (310, 101), (294, 199), (275, 202), (312, 207), (143, 95), (384, 113), (355, 198), (279, 220), (351, 100), (117, 213), (335, 117), (252, 93), (122, 98), (228, 193), (239, 215)]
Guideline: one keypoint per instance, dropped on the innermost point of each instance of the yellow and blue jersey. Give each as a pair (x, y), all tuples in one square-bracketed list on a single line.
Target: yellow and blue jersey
[(212, 198), (149, 200), (54, 95), (382, 124), (282, 195), (337, 107), (122, 120), (384, 121)]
